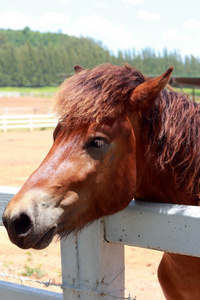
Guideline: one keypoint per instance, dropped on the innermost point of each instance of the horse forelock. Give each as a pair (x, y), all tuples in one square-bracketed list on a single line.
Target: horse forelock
[(97, 94), (172, 134)]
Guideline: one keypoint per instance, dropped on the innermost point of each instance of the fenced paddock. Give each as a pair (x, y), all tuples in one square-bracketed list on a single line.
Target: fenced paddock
[(93, 261), (30, 121)]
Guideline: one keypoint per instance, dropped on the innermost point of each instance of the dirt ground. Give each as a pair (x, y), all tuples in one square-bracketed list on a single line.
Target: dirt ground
[(20, 154), (26, 105)]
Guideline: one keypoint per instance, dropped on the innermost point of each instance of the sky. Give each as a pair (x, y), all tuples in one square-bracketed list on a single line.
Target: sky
[(118, 24)]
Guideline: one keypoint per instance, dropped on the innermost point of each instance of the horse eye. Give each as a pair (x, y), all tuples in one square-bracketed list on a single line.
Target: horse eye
[(98, 143)]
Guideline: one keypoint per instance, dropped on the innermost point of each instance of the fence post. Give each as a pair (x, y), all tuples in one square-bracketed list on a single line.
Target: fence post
[(92, 268), (31, 123), (4, 123)]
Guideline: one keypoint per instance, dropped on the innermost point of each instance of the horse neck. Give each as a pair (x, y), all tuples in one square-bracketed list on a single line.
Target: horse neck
[(153, 184), (156, 186)]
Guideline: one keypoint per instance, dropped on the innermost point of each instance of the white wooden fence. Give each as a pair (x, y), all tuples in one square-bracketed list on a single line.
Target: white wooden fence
[(30, 122), (93, 261)]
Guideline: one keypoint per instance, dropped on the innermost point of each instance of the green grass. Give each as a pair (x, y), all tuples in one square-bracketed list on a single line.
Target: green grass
[(36, 271), (32, 271), (189, 91)]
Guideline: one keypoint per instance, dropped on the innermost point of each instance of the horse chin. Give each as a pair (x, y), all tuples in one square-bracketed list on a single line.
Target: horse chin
[(45, 240)]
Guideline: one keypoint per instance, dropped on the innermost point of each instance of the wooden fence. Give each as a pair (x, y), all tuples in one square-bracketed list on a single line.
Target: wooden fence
[(93, 261), (9, 122)]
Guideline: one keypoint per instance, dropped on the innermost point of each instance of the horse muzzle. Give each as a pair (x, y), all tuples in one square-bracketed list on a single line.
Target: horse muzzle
[(32, 225), (23, 232)]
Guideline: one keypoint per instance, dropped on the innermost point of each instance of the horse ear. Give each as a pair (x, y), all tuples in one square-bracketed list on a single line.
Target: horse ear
[(144, 95), (78, 68)]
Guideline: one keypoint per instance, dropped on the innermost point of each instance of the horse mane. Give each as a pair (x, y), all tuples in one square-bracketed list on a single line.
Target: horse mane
[(94, 95), (171, 127), (172, 134)]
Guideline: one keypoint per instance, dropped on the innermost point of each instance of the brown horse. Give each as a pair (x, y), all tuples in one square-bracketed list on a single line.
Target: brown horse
[(120, 136)]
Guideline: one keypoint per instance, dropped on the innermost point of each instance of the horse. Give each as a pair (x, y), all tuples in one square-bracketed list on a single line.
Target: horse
[(120, 135)]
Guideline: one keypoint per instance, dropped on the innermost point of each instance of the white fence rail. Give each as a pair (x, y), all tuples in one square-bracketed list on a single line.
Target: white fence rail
[(93, 261), (8, 122)]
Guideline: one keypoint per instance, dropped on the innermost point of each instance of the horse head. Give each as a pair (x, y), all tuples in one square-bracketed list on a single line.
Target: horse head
[(93, 167)]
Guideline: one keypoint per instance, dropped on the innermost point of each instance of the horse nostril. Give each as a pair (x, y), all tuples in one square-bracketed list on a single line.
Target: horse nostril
[(22, 224), (5, 223)]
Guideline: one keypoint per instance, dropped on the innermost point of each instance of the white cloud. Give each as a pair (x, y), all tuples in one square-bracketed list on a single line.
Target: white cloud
[(133, 2), (56, 18), (192, 24), (14, 20), (100, 3), (146, 15), (102, 29), (65, 2), (48, 21), (175, 35)]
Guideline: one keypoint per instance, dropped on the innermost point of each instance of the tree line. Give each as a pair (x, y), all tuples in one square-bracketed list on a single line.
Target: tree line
[(31, 58)]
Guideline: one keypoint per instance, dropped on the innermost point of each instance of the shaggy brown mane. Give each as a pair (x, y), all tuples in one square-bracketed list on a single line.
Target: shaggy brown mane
[(97, 94), (171, 128), (172, 134)]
